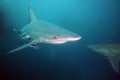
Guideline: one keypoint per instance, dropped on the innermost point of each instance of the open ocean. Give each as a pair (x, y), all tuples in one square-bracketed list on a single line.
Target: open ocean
[(96, 21)]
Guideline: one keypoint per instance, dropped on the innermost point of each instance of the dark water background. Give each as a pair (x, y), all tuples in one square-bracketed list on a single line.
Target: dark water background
[(97, 21)]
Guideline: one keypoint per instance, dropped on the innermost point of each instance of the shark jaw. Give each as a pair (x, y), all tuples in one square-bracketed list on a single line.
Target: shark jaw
[(61, 40)]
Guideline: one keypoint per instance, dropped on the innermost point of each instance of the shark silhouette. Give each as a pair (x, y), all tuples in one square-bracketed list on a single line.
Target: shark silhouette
[(112, 51), (38, 31)]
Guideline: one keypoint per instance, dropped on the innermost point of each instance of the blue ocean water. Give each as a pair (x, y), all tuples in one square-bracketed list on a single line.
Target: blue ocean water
[(97, 21)]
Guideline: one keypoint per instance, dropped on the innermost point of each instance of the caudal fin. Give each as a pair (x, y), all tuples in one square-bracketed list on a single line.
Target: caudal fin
[(115, 63)]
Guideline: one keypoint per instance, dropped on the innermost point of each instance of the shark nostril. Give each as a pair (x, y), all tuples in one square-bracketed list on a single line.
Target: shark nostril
[(55, 37)]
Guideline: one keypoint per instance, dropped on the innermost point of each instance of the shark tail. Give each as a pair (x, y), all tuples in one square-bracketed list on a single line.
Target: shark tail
[(19, 48), (114, 62)]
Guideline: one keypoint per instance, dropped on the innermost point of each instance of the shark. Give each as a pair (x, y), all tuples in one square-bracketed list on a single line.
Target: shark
[(39, 31), (111, 51)]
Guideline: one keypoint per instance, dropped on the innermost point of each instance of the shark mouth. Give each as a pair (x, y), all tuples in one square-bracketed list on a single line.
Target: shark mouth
[(61, 40), (73, 39)]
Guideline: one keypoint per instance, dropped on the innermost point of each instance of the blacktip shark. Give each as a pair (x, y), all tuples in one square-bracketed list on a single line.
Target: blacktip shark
[(111, 51), (38, 31)]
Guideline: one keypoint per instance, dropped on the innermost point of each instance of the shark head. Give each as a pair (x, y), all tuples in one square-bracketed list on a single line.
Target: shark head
[(61, 37), (53, 37)]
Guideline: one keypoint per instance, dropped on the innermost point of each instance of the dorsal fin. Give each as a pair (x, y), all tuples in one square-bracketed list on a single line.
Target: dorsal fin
[(32, 16)]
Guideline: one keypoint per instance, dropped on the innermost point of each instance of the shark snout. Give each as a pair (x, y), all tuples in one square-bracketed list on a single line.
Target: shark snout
[(74, 38)]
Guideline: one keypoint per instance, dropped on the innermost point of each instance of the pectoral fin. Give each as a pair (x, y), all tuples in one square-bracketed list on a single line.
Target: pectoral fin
[(19, 48), (114, 62)]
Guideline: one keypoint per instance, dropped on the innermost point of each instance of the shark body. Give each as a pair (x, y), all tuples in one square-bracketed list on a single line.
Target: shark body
[(38, 31), (111, 51)]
